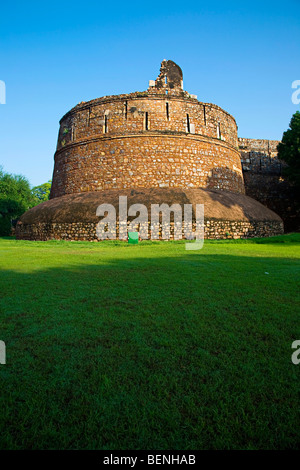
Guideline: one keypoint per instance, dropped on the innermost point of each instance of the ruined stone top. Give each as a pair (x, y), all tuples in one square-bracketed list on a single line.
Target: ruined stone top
[(169, 78), (167, 86)]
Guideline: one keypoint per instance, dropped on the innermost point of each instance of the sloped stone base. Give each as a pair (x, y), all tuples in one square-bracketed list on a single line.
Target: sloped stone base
[(73, 216)]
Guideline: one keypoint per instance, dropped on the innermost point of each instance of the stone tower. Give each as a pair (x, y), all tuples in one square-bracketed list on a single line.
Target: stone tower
[(161, 145)]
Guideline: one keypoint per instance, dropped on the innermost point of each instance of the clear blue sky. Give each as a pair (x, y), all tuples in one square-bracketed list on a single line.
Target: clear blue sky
[(240, 55)]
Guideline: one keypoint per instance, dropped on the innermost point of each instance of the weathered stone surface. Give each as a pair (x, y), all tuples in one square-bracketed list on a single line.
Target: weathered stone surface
[(157, 146), (264, 180), (158, 138), (227, 215)]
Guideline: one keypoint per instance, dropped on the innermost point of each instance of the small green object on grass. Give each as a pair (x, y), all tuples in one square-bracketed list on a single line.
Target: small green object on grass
[(133, 238)]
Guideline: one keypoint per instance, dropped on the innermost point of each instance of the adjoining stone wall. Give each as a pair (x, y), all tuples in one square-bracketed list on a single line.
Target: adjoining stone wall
[(264, 180), (260, 156), (214, 229), (146, 160)]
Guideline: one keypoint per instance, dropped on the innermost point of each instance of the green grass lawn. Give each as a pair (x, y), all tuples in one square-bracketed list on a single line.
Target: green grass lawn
[(150, 346)]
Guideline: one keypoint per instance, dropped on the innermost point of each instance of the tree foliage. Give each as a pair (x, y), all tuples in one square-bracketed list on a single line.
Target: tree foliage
[(41, 193), (289, 151), (15, 194), (16, 197)]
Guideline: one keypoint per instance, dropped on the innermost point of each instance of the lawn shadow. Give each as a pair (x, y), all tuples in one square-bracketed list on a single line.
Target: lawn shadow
[(180, 352)]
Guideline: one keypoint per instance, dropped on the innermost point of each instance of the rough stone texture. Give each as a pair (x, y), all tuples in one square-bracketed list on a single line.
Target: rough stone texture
[(146, 160), (214, 229), (73, 216), (157, 146), (158, 138), (258, 155), (264, 180), (170, 76)]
